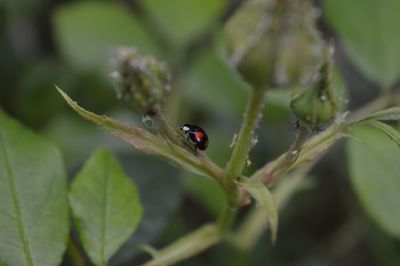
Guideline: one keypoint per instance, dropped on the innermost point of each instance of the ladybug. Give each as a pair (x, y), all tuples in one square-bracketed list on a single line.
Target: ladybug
[(196, 135)]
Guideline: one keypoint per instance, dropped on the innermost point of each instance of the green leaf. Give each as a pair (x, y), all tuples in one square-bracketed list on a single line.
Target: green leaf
[(184, 20), (265, 200), (374, 170), (33, 198), (137, 137), (149, 143), (369, 32), (389, 131), (87, 31), (105, 206), (160, 199)]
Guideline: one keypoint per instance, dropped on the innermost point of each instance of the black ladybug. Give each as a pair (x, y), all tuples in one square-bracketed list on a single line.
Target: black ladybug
[(196, 135)]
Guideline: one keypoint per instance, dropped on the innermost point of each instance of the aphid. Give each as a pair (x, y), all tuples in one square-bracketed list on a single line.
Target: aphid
[(196, 135)]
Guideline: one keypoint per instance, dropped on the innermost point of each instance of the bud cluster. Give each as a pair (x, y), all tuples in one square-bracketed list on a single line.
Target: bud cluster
[(317, 104), (140, 79), (273, 43)]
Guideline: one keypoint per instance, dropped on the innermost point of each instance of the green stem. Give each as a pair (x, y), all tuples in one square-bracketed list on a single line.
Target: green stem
[(291, 155), (240, 152), (165, 128), (310, 150), (255, 222), (187, 246), (226, 217), (384, 100), (239, 156)]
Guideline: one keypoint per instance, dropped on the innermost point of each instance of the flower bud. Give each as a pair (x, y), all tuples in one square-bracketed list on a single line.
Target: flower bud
[(140, 79), (273, 42), (317, 104)]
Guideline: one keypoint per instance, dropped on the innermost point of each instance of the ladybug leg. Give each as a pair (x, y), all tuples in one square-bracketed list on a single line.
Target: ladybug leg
[(191, 143)]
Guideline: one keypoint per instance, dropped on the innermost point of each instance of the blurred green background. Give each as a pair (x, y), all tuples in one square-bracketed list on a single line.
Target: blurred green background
[(68, 43)]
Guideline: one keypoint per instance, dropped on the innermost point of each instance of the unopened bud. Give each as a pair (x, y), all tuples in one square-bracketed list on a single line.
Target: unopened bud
[(273, 42), (317, 104), (139, 79)]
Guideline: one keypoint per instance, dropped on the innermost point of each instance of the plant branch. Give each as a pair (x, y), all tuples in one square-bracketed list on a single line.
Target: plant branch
[(293, 153), (243, 144), (187, 246), (255, 223), (310, 150), (152, 144), (384, 100), (165, 128), (317, 145), (238, 158)]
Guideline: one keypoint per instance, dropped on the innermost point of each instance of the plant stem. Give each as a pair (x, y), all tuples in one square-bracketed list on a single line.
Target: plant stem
[(239, 156), (226, 217), (187, 246), (291, 155), (243, 144), (383, 101), (165, 128), (310, 150), (255, 223)]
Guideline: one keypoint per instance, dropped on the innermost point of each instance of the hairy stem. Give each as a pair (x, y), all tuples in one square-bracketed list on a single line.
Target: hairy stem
[(165, 128), (291, 155), (239, 156), (310, 150), (243, 143)]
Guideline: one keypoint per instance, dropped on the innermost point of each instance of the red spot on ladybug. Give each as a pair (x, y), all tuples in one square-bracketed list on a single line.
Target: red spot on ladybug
[(199, 135), (196, 135)]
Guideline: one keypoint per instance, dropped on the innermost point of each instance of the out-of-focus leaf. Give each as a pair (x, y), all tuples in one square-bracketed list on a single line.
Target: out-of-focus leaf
[(105, 206), (211, 83), (184, 20), (369, 31), (36, 87), (389, 131), (33, 198), (264, 198), (277, 105), (160, 192), (87, 31), (374, 170), (23, 8), (78, 139), (207, 192)]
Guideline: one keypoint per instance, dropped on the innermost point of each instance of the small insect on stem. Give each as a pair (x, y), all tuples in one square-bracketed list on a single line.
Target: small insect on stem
[(195, 135)]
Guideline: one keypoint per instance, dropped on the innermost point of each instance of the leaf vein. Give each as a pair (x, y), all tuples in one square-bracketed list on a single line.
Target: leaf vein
[(15, 200)]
